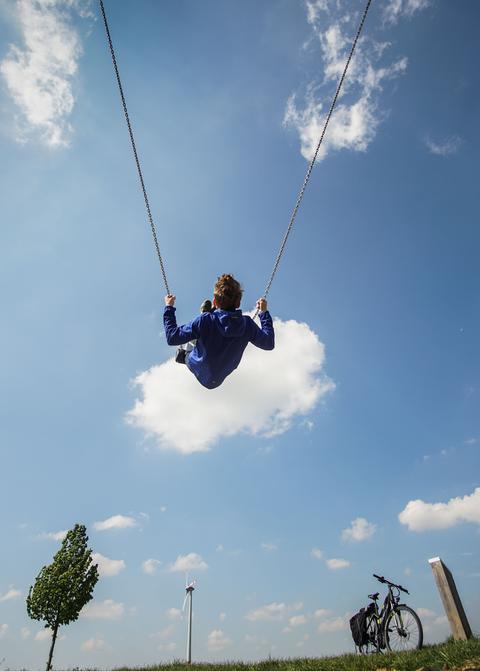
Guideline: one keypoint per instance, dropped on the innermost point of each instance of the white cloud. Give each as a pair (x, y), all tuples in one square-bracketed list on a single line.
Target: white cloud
[(441, 620), (43, 635), (103, 610), (421, 516), (272, 611), (360, 529), (150, 566), (189, 562), (395, 9), (262, 397), (167, 647), (329, 625), (297, 620), (217, 640), (165, 633), (336, 564), (314, 8), (445, 147), (316, 553), (93, 644), (321, 613), (25, 633), (39, 74), (3, 630), (174, 614), (222, 617), (10, 595), (106, 566), (115, 522), (270, 547), (355, 121), (425, 612), (53, 535)]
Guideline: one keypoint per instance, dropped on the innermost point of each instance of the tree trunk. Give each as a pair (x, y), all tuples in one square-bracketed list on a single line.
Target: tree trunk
[(54, 638)]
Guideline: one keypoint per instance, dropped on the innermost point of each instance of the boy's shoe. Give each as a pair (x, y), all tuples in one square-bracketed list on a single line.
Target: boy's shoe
[(180, 355), (206, 306)]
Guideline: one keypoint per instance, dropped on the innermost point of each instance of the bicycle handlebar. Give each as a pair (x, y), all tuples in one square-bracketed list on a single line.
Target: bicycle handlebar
[(381, 579)]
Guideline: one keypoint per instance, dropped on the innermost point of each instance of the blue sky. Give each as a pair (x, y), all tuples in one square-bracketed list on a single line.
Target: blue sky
[(313, 466)]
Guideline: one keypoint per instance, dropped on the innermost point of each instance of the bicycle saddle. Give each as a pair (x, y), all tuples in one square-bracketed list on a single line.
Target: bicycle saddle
[(374, 597)]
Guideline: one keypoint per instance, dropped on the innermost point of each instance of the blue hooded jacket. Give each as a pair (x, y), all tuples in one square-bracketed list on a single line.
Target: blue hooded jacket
[(222, 337)]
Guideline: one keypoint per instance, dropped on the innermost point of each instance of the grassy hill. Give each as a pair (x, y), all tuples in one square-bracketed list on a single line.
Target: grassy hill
[(448, 655)]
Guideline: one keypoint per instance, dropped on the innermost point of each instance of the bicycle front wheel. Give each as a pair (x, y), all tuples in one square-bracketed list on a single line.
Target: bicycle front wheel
[(403, 630)]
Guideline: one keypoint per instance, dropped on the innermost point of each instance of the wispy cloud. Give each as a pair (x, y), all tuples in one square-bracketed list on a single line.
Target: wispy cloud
[(10, 595), (396, 9), (174, 614), (188, 562), (3, 630), (43, 635), (103, 610), (93, 644), (115, 522), (269, 547), (150, 566), (446, 147), (106, 566), (420, 516), (272, 611), (39, 72), (359, 530), (165, 633), (53, 535), (217, 640), (337, 564), (332, 564), (332, 624), (297, 620), (262, 397), (358, 114)]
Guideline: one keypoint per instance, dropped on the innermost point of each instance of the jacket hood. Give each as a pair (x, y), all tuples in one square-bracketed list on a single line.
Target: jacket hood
[(230, 324)]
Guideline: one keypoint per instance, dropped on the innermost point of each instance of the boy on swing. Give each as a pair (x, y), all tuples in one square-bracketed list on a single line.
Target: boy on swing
[(214, 342)]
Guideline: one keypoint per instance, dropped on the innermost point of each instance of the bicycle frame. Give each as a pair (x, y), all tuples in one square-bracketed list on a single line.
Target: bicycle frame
[(390, 603)]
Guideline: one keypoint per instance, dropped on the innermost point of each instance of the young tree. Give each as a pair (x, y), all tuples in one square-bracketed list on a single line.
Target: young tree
[(63, 588)]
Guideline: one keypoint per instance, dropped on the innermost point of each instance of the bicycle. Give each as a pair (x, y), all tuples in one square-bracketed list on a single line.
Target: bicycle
[(395, 627)]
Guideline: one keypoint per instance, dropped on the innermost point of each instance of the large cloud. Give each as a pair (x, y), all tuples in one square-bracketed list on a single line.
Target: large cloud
[(262, 397), (39, 74), (358, 113), (420, 516)]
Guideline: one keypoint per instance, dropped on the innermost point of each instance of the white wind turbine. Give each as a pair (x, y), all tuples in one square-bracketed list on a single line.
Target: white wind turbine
[(189, 588)]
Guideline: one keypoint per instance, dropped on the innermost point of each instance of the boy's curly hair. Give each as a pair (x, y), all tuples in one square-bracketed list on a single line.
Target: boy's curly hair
[(227, 292)]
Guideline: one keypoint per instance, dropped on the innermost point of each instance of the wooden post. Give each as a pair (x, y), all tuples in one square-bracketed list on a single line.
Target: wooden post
[(451, 600)]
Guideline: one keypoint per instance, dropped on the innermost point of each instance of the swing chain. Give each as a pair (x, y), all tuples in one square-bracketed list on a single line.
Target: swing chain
[(134, 148), (312, 162)]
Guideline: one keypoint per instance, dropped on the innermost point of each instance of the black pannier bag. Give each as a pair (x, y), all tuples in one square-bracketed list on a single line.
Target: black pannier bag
[(358, 627)]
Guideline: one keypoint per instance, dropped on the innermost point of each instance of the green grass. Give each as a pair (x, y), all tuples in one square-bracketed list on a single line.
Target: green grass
[(448, 655)]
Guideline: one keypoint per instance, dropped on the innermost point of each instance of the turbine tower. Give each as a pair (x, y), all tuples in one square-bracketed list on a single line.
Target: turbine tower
[(189, 588)]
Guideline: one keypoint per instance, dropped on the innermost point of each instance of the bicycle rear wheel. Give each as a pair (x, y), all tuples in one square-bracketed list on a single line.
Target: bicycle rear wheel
[(403, 630), (372, 644)]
